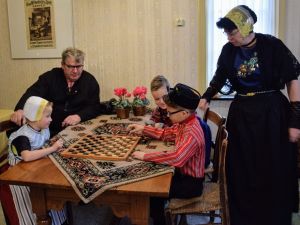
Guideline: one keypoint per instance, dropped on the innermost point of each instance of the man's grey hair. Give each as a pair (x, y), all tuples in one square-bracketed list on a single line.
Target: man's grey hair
[(73, 52)]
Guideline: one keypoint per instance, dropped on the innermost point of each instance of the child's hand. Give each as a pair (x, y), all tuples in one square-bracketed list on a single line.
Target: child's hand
[(138, 155), (58, 144), (135, 128), (159, 125)]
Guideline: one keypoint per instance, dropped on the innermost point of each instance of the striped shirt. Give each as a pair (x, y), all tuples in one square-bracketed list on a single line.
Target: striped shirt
[(189, 152)]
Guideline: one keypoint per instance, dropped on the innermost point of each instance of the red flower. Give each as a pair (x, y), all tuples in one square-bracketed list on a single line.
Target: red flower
[(139, 94), (120, 92), (139, 91), (123, 95)]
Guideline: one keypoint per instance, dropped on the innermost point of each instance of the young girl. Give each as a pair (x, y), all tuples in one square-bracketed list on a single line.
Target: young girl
[(26, 144), (159, 87)]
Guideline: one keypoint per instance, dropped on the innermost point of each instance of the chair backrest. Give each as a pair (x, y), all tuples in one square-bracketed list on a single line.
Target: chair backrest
[(222, 177), (7, 125), (298, 158), (214, 119)]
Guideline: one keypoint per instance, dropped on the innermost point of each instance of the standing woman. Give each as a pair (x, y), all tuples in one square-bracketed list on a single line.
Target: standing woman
[(263, 124)]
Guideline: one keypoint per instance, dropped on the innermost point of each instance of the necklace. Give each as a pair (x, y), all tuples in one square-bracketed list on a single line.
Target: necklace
[(250, 44)]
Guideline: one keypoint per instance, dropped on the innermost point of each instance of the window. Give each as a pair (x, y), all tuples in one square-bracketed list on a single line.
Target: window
[(215, 9)]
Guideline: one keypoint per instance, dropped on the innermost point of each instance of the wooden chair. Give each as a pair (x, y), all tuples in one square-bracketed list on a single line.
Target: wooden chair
[(7, 125), (299, 159), (215, 122), (212, 202)]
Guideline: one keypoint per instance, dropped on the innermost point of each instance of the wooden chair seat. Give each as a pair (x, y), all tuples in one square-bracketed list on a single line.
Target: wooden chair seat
[(209, 200)]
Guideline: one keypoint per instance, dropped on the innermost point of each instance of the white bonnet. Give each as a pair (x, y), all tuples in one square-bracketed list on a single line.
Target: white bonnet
[(34, 108)]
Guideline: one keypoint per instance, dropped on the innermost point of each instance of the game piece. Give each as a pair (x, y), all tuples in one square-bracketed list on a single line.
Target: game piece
[(135, 119), (112, 129), (102, 147)]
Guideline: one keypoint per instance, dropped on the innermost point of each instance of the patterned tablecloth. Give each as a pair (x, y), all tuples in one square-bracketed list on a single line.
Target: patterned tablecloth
[(89, 177)]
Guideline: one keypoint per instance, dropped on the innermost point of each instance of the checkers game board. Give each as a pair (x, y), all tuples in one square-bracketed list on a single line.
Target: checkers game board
[(102, 147)]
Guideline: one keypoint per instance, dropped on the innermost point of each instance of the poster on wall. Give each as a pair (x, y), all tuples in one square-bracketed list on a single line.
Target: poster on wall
[(40, 28)]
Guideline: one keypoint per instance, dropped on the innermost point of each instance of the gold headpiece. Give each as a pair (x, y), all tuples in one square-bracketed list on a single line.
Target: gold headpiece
[(242, 19)]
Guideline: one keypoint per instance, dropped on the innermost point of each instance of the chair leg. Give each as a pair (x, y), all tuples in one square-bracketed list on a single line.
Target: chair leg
[(171, 219), (182, 220), (211, 217)]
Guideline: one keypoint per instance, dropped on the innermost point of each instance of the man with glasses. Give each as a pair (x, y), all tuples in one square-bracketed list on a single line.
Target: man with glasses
[(73, 91)]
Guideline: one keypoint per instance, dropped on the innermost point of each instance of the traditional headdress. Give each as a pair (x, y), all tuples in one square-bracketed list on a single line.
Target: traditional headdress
[(242, 18), (184, 96), (34, 108)]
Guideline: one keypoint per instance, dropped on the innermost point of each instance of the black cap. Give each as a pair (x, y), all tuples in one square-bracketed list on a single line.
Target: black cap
[(184, 96)]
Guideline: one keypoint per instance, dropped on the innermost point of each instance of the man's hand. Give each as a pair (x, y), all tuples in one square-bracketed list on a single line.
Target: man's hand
[(71, 120), (18, 117)]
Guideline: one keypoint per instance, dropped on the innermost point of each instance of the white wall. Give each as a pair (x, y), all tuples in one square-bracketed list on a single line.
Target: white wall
[(292, 30)]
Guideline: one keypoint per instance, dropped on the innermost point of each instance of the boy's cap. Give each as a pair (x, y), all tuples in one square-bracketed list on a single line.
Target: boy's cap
[(34, 108), (185, 96)]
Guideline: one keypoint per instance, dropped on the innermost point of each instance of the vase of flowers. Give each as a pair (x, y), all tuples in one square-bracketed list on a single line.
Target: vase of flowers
[(122, 105), (139, 101)]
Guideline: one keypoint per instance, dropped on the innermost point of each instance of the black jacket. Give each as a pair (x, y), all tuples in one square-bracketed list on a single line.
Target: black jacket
[(83, 99), (276, 62)]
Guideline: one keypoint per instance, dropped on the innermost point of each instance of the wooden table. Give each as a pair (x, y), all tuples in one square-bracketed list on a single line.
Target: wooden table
[(50, 190)]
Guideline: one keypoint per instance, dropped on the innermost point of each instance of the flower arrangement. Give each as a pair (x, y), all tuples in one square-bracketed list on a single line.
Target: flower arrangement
[(123, 101), (139, 94)]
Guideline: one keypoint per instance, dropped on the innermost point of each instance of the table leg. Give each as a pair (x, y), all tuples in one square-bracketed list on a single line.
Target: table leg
[(137, 208), (39, 207)]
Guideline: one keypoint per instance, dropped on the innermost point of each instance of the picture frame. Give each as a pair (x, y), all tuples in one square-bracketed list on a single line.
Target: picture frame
[(40, 29)]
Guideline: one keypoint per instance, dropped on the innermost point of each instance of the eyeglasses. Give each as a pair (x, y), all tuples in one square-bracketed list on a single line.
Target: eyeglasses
[(73, 66), (171, 113), (232, 33)]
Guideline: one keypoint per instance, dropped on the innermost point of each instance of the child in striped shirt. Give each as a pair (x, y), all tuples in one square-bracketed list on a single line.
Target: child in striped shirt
[(188, 156)]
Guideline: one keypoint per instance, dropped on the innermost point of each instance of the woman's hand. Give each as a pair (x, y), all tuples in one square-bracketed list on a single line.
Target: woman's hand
[(203, 104), (294, 134)]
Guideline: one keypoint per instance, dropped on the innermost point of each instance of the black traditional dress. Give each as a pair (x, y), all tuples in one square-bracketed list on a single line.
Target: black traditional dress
[(261, 162)]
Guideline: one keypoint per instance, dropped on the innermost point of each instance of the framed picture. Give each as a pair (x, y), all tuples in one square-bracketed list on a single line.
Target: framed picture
[(40, 28)]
